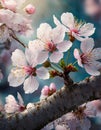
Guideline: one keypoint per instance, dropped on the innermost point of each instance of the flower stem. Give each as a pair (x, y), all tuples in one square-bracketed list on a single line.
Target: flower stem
[(14, 37), (56, 66), (75, 62), (68, 54)]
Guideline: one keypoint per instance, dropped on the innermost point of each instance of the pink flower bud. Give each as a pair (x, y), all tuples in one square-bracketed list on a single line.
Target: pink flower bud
[(53, 87), (30, 9), (45, 91)]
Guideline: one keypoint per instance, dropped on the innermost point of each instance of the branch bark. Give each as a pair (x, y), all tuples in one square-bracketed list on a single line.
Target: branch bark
[(61, 102)]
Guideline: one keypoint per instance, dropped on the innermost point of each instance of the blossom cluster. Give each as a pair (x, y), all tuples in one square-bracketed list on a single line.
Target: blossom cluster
[(43, 57), (50, 46), (71, 122), (13, 21), (48, 91)]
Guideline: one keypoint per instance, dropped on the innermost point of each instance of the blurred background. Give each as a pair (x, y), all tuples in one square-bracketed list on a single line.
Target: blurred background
[(86, 10)]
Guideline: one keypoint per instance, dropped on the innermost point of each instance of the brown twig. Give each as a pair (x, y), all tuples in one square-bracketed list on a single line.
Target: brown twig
[(14, 37)]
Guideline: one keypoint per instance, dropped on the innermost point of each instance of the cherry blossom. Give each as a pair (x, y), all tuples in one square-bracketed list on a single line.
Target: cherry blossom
[(50, 44), (30, 9), (19, 24), (12, 105), (93, 108), (79, 30), (25, 71), (47, 91), (88, 58), (13, 5), (70, 122), (50, 41), (9, 4)]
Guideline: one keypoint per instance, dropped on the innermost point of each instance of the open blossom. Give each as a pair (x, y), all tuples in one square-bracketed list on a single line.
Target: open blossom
[(50, 42), (47, 91), (93, 108), (25, 71), (69, 122), (13, 5), (12, 105), (78, 30), (89, 56), (30, 9), (19, 24), (9, 4)]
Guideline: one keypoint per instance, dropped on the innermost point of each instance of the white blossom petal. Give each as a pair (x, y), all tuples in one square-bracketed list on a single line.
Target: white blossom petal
[(15, 79), (44, 31), (56, 56), (77, 56), (18, 58), (64, 46), (31, 58), (42, 57), (11, 105), (87, 30), (56, 21), (30, 85), (96, 54), (42, 73), (91, 70), (68, 19), (78, 37), (96, 64), (58, 34), (21, 102), (36, 46), (87, 45)]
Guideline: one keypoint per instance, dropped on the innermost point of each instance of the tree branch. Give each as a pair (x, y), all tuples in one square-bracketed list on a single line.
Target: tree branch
[(55, 106)]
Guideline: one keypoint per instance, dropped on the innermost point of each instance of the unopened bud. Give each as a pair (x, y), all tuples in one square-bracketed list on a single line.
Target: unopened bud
[(53, 73), (46, 64), (30, 9), (71, 68)]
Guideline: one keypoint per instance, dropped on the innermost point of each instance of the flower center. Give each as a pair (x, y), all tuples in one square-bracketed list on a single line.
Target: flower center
[(29, 70), (75, 31), (85, 58), (22, 108), (18, 72), (51, 47)]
